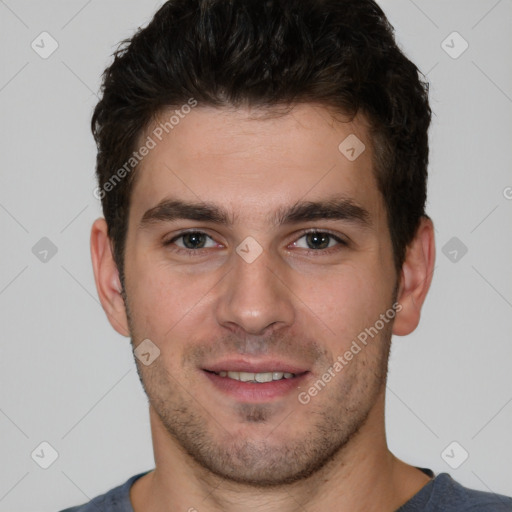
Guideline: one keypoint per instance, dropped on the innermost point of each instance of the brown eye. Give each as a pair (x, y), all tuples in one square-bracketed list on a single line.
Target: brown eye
[(192, 240), (318, 241)]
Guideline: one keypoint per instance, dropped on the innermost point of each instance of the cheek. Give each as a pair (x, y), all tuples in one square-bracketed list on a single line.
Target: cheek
[(347, 300), (162, 300)]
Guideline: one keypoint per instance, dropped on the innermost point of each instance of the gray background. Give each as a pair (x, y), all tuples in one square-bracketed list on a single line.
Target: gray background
[(67, 378)]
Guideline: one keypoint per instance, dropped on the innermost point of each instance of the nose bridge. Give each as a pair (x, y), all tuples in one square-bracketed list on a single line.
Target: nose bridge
[(253, 296)]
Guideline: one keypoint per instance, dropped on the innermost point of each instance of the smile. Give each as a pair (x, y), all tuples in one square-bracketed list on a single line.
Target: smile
[(256, 386), (256, 377)]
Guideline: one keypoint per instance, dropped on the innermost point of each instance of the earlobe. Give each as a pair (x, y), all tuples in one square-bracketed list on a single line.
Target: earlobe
[(415, 278), (106, 276)]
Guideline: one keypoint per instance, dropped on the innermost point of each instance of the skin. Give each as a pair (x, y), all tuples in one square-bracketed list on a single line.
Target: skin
[(295, 302)]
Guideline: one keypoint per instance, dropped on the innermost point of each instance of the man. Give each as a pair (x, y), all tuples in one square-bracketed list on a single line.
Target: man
[(262, 168)]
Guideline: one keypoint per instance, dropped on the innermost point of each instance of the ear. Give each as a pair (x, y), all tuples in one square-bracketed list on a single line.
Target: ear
[(415, 278), (106, 276)]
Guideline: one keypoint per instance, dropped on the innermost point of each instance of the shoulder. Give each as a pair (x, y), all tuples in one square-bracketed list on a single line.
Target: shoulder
[(449, 495), (115, 500)]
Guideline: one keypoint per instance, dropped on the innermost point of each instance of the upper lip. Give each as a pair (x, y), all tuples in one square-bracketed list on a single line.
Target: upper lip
[(260, 366)]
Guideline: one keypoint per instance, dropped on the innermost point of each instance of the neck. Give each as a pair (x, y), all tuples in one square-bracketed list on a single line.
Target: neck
[(363, 476)]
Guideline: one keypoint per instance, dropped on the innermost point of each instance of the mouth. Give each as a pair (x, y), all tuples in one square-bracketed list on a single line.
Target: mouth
[(260, 377), (255, 382)]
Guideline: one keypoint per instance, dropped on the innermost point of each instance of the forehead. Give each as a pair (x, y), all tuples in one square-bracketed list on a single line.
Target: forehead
[(252, 163)]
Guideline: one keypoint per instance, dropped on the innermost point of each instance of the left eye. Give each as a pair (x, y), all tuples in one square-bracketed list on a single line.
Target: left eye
[(318, 240)]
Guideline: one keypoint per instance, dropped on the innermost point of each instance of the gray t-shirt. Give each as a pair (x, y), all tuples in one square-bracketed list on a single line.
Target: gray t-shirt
[(441, 494)]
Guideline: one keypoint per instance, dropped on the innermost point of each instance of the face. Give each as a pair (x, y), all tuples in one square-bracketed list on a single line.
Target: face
[(256, 254)]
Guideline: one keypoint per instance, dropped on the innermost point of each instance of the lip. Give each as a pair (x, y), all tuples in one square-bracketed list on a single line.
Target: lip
[(255, 392)]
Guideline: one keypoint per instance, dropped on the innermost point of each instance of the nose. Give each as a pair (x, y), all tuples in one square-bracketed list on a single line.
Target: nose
[(255, 296)]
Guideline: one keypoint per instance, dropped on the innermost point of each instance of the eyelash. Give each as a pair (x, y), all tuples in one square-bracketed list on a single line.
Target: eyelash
[(198, 252)]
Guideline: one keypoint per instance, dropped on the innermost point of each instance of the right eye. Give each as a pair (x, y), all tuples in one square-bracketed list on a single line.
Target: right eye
[(191, 241)]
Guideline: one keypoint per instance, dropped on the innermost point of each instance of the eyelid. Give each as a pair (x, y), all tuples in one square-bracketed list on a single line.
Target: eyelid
[(176, 236), (338, 236)]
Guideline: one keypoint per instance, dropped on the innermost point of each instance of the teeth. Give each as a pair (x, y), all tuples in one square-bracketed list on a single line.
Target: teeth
[(264, 377), (256, 377), (245, 376)]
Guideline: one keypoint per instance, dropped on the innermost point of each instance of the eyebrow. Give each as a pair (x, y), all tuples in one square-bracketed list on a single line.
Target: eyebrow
[(336, 208)]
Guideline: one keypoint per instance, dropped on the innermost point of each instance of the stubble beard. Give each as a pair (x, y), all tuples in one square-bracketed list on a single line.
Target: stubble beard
[(273, 460)]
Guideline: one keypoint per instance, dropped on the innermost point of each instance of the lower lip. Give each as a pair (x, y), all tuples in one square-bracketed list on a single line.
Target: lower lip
[(255, 391)]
